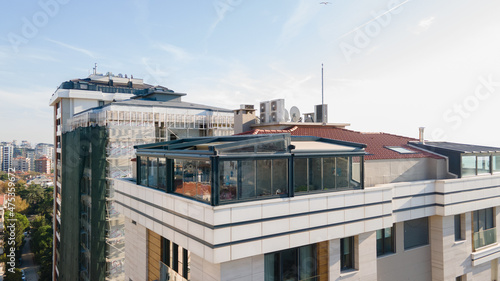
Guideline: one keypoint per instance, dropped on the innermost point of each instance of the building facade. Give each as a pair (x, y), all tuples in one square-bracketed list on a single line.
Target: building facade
[(7, 152), (21, 164), (97, 122), (340, 205), (42, 165)]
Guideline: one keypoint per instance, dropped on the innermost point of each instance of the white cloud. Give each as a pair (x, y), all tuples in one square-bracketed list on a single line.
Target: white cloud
[(177, 52), (71, 47), (424, 24), (302, 15)]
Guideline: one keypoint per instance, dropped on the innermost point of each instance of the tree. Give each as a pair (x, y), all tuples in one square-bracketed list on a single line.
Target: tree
[(20, 223), (21, 205), (16, 276)]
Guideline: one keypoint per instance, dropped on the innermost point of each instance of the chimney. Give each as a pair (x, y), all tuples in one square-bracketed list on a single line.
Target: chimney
[(244, 118), (421, 135)]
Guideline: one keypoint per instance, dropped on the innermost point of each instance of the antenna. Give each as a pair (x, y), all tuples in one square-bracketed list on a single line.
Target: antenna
[(95, 68), (322, 99)]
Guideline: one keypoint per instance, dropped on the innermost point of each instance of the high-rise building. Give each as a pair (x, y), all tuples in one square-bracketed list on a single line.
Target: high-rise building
[(42, 165), (97, 121), (30, 153), (21, 164), (7, 153), (44, 149)]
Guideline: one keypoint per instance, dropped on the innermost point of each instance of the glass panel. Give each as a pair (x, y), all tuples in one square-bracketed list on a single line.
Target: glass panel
[(307, 262), (264, 177), (484, 238), (380, 242), (228, 179), (468, 165), (143, 170), (483, 165), (315, 176), (152, 172), (204, 188), (162, 173), (496, 163), (346, 253), (300, 174), (272, 266), (329, 173), (178, 178), (489, 218), (247, 179), (276, 146), (280, 176), (388, 241), (289, 264), (355, 172), (416, 233), (458, 228), (342, 172)]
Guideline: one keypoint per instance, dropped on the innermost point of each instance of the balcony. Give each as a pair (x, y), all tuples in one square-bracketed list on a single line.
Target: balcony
[(484, 238)]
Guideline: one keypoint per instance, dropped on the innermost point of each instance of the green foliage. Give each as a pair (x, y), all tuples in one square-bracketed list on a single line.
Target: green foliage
[(20, 222), (3, 176), (16, 276)]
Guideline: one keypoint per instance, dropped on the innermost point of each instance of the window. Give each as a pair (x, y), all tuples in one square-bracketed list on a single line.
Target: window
[(459, 229), (400, 150), (143, 173), (347, 253), (496, 163), (249, 179), (175, 257), (484, 227), (468, 165), (152, 172), (192, 178), (303, 263), (483, 165), (416, 233), (316, 174), (385, 241)]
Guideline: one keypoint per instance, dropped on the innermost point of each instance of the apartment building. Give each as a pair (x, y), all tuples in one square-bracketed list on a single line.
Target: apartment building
[(42, 165), (6, 151), (97, 122), (21, 164), (311, 201)]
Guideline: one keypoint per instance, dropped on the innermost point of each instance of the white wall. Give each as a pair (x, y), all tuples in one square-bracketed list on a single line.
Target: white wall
[(135, 251)]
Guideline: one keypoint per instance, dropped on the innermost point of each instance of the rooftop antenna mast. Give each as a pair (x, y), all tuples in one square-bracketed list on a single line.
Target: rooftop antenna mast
[(322, 98), (95, 68)]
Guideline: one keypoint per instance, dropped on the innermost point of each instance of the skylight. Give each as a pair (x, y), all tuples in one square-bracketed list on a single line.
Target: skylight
[(400, 150)]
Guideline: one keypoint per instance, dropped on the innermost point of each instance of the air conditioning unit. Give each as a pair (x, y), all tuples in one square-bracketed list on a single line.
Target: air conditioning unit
[(278, 108), (321, 113), (273, 117), (264, 111)]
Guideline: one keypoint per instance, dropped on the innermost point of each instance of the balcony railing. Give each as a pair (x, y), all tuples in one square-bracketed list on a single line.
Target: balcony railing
[(484, 238)]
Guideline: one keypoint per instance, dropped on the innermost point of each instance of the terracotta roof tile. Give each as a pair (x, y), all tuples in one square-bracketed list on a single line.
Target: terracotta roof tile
[(376, 143)]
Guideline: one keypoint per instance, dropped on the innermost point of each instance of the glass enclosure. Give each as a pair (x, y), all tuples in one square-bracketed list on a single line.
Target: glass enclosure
[(480, 164), (328, 173), (249, 179)]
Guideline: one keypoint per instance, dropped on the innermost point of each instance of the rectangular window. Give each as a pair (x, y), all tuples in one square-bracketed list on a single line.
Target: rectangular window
[(185, 263), (264, 170), (228, 180), (300, 174), (315, 178), (247, 171), (162, 173), (468, 165), (303, 263), (496, 163), (175, 257), (385, 241), (347, 253), (416, 233), (192, 178), (143, 170), (483, 165), (458, 228), (152, 172), (165, 255), (280, 176), (484, 228)]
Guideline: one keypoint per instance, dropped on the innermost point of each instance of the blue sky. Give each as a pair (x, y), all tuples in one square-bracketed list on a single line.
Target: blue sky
[(389, 66)]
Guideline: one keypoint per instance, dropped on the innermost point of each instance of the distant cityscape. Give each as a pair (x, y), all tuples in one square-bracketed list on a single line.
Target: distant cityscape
[(23, 157)]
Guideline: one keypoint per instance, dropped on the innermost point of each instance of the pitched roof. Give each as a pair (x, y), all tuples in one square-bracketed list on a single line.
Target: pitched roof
[(376, 143)]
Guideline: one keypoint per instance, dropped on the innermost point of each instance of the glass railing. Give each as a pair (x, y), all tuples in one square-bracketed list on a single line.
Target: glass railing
[(484, 238)]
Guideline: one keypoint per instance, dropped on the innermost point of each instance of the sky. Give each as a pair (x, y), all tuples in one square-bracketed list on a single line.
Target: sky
[(389, 66)]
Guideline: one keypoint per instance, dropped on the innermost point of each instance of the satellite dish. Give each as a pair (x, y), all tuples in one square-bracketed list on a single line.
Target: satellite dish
[(287, 116), (294, 114)]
